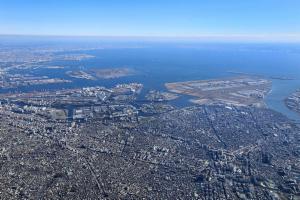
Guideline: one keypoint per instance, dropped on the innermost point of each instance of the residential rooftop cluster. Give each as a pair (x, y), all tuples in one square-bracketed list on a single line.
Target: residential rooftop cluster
[(111, 143), (201, 152)]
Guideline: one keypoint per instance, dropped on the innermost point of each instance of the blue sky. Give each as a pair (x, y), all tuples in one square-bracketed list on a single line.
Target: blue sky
[(176, 18)]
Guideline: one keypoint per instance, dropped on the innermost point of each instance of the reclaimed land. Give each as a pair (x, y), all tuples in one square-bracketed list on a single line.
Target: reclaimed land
[(238, 91)]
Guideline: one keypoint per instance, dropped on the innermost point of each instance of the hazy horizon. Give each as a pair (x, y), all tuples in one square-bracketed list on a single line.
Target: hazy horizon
[(267, 20), (202, 38)]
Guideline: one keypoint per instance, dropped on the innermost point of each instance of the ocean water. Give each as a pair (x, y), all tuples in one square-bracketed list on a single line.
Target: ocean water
[(158, 63)]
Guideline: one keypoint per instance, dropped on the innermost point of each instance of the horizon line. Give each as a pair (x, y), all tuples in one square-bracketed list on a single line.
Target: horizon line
[(289, 37)]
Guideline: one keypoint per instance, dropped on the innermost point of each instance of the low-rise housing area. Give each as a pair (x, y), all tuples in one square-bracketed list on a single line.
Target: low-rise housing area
[(90, 143)]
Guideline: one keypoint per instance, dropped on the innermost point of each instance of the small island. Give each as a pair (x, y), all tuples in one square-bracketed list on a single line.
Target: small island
[(293, 101), (111, 73), (106, 73), (80, 75)]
